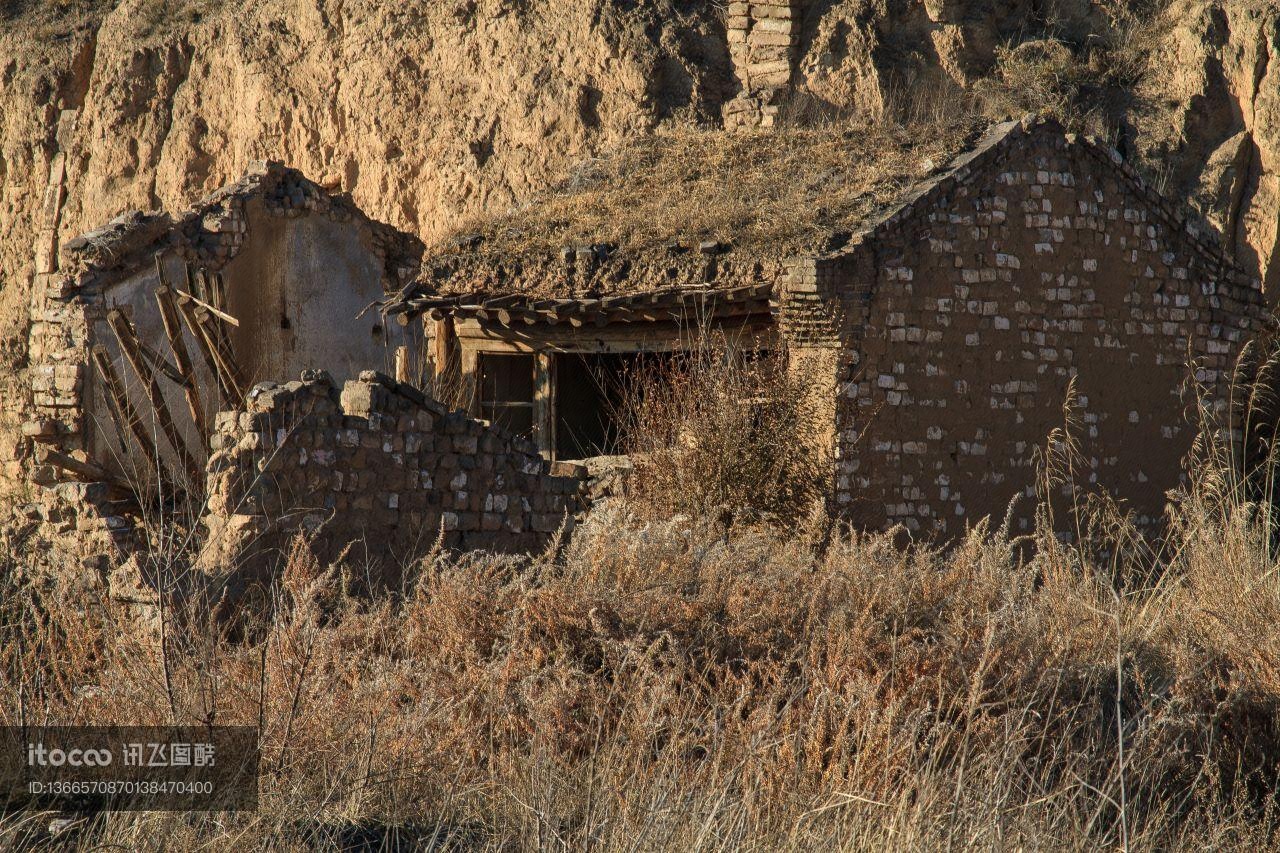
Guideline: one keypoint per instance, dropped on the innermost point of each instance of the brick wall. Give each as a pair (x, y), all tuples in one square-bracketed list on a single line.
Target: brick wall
[(380, 464), (964, 317)]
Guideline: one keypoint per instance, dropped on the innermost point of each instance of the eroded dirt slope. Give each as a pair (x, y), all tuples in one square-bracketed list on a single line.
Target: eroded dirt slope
[(424, 111), (430, 112), (1208, 120)]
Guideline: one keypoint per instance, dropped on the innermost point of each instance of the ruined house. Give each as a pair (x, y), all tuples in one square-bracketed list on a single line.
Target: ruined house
[(941, 337), (177, 317), (155, 344)]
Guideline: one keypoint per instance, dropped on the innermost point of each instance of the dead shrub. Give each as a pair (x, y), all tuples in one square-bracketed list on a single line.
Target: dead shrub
[(724, 431)]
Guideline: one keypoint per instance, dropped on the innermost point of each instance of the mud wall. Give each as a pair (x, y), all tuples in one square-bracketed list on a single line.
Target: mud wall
[(297, 287), (379, 465), (1044, 275)]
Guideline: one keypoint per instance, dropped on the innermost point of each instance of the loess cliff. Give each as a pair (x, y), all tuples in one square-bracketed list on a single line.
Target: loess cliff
[(432, 113)]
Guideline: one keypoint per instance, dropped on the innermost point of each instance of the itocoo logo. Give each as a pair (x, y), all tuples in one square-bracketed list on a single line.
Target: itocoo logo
[(39, 756)]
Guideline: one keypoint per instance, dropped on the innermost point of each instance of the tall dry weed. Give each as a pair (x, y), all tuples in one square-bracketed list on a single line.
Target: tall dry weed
[(662, 683), (655, 684), (725, 431)]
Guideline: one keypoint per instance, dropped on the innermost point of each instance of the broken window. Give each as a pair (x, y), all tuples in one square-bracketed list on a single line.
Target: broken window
[(506, 392), (592, 393)]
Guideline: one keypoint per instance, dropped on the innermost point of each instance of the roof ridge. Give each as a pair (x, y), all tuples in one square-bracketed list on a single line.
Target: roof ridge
[(953, 172), (1198, 233)]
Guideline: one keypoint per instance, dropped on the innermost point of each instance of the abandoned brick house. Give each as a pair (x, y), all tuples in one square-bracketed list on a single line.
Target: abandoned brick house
[(153, 341), (941, 336), (289, 260)]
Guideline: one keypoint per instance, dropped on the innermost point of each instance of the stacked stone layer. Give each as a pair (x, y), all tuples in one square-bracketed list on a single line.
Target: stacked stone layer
[(379, 463), (762, 42)]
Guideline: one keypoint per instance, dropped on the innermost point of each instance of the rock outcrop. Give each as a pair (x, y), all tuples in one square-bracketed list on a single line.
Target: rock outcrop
[(429, 113), (1210, 110)]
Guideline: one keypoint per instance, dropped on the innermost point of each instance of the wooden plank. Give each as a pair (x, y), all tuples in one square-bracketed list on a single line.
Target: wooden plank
[(617, 315), (402, 365), (442, 343), (221, 315), (544, 404), (186, 310), (219, 293), (128, 340), (160, 363), (121, 409), (507, 301), (471, 381), (208, 349), (87, 471), (622, 338), (221, 349), (173, 332)]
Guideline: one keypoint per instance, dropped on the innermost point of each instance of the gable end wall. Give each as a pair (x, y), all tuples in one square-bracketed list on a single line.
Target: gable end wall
[(1043, 264)]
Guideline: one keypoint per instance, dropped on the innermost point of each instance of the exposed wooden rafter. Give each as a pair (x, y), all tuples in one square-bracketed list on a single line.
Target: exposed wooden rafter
[(120, 408), (182, 359), (678, 304), (127, 337)]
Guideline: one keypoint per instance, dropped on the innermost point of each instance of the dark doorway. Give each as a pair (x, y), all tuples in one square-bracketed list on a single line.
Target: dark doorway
[(591, 391)]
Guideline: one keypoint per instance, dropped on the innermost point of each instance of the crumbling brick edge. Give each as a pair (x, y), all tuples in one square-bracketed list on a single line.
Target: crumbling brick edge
[(379, 468)]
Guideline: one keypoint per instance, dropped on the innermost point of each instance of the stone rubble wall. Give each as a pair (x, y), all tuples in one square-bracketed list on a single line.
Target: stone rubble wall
[(377, 463), (83, 518), (57, 349), (762, 45)]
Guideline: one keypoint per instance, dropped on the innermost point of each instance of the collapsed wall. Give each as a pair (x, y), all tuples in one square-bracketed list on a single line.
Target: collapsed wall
[(378, 464), (143, 328), (296, 260)]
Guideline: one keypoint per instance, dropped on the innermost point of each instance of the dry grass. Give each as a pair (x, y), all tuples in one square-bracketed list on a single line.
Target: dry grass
[(722, 432), (778, 192), (830, 167), (661, 685)]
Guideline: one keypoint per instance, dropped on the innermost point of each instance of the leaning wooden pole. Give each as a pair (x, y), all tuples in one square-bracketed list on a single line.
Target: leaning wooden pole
[(186, 308), (86, 471), (122, 406), (133, 354), (173, 331), (220, 347)]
